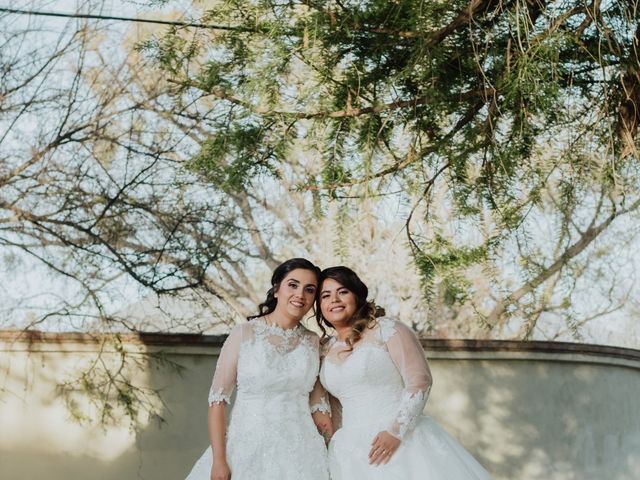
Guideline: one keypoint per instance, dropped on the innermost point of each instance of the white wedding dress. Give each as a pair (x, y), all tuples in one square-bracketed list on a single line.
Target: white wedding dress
[(271, 434), (383, 385)]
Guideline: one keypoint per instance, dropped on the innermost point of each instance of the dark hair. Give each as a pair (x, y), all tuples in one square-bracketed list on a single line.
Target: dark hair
[(366, 311), (281, 271)]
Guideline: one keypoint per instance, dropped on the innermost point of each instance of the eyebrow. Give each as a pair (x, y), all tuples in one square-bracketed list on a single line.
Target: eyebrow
[(298, 282), (339, 288)]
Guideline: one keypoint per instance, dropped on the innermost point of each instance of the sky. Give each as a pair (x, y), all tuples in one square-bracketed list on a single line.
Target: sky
[(27, 288)]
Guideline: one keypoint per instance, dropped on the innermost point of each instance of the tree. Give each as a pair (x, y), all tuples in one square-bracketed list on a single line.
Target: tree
[(108, 193), (73, 196), (490, 112), (94, 189), (278, 131)]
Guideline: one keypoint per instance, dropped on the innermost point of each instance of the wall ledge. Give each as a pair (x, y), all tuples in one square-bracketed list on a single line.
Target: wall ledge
[(33, 340)]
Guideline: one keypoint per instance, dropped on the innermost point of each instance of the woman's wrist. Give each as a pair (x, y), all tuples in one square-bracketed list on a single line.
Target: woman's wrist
[(394, 435), (220, 457)]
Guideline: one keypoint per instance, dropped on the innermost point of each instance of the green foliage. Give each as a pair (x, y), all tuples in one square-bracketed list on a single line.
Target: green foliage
[(172, 52), (232, 160), (107, 393), (422, 95), (448, 261)]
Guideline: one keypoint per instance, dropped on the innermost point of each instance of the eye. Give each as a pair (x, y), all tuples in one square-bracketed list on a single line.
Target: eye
[(310, 290), (344, 292), (324, 295), (293, 285)]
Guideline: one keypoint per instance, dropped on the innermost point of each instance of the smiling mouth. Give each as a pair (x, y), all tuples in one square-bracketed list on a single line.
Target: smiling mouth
[(297, 304), (336, 309)]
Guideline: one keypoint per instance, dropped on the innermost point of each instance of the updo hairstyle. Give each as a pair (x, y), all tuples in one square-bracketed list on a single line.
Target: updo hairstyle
[(281, 271)]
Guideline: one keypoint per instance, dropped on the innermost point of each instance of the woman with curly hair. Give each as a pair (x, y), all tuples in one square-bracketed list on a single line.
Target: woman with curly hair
[(376, 368), (272, 363)]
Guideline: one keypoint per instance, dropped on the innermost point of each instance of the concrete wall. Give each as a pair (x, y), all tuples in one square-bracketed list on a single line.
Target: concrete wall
[(527, 411)]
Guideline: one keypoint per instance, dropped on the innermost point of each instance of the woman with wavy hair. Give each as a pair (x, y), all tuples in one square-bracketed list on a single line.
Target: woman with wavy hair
[(272, 363), (376, 368)]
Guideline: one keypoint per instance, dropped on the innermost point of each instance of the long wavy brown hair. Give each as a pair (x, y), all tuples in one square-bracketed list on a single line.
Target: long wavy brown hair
[(366, 311)]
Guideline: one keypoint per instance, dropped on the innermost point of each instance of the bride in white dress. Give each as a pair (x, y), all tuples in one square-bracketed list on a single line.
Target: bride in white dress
[(272, 362), (376, 369)]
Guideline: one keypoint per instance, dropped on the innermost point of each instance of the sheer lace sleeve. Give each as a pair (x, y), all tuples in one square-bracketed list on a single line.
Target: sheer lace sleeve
[(319, 398), (408, 356), (224, 378)]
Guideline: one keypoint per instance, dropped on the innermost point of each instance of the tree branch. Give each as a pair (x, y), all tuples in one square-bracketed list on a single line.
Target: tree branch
[(496, 315)]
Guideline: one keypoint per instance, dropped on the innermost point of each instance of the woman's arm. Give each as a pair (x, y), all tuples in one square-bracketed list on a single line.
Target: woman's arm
[(408, 356), (319, 404), (222, 386), (217, 429), (321, 411)]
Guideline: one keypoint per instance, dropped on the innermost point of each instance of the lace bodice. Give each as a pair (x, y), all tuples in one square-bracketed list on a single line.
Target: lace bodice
[(266, 362), (270, 434), (385, 379)]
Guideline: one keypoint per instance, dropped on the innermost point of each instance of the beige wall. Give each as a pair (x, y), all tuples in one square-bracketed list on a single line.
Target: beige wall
[(527, 411)]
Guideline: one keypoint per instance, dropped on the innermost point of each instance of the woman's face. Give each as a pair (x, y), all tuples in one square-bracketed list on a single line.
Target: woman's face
[(296, 293), (337, 303)]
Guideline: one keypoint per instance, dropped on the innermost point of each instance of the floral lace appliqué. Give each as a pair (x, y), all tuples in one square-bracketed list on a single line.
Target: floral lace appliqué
[(274, 373), (218, 396), (387, 329), (262, 327), (321, 406), (411, 406)]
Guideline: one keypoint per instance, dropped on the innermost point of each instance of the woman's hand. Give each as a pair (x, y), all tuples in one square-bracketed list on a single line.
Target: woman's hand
[(382, 448), (220, 470), (323, 424)]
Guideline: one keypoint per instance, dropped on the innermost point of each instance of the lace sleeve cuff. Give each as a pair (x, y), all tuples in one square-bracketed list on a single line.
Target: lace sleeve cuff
[(321, 406), (411, 407), (218, 396)]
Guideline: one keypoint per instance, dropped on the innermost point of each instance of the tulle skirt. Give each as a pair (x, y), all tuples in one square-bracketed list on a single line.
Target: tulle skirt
[(426, 453)]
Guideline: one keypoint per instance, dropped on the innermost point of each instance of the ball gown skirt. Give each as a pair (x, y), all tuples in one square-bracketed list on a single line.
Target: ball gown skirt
[(425, 453)]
